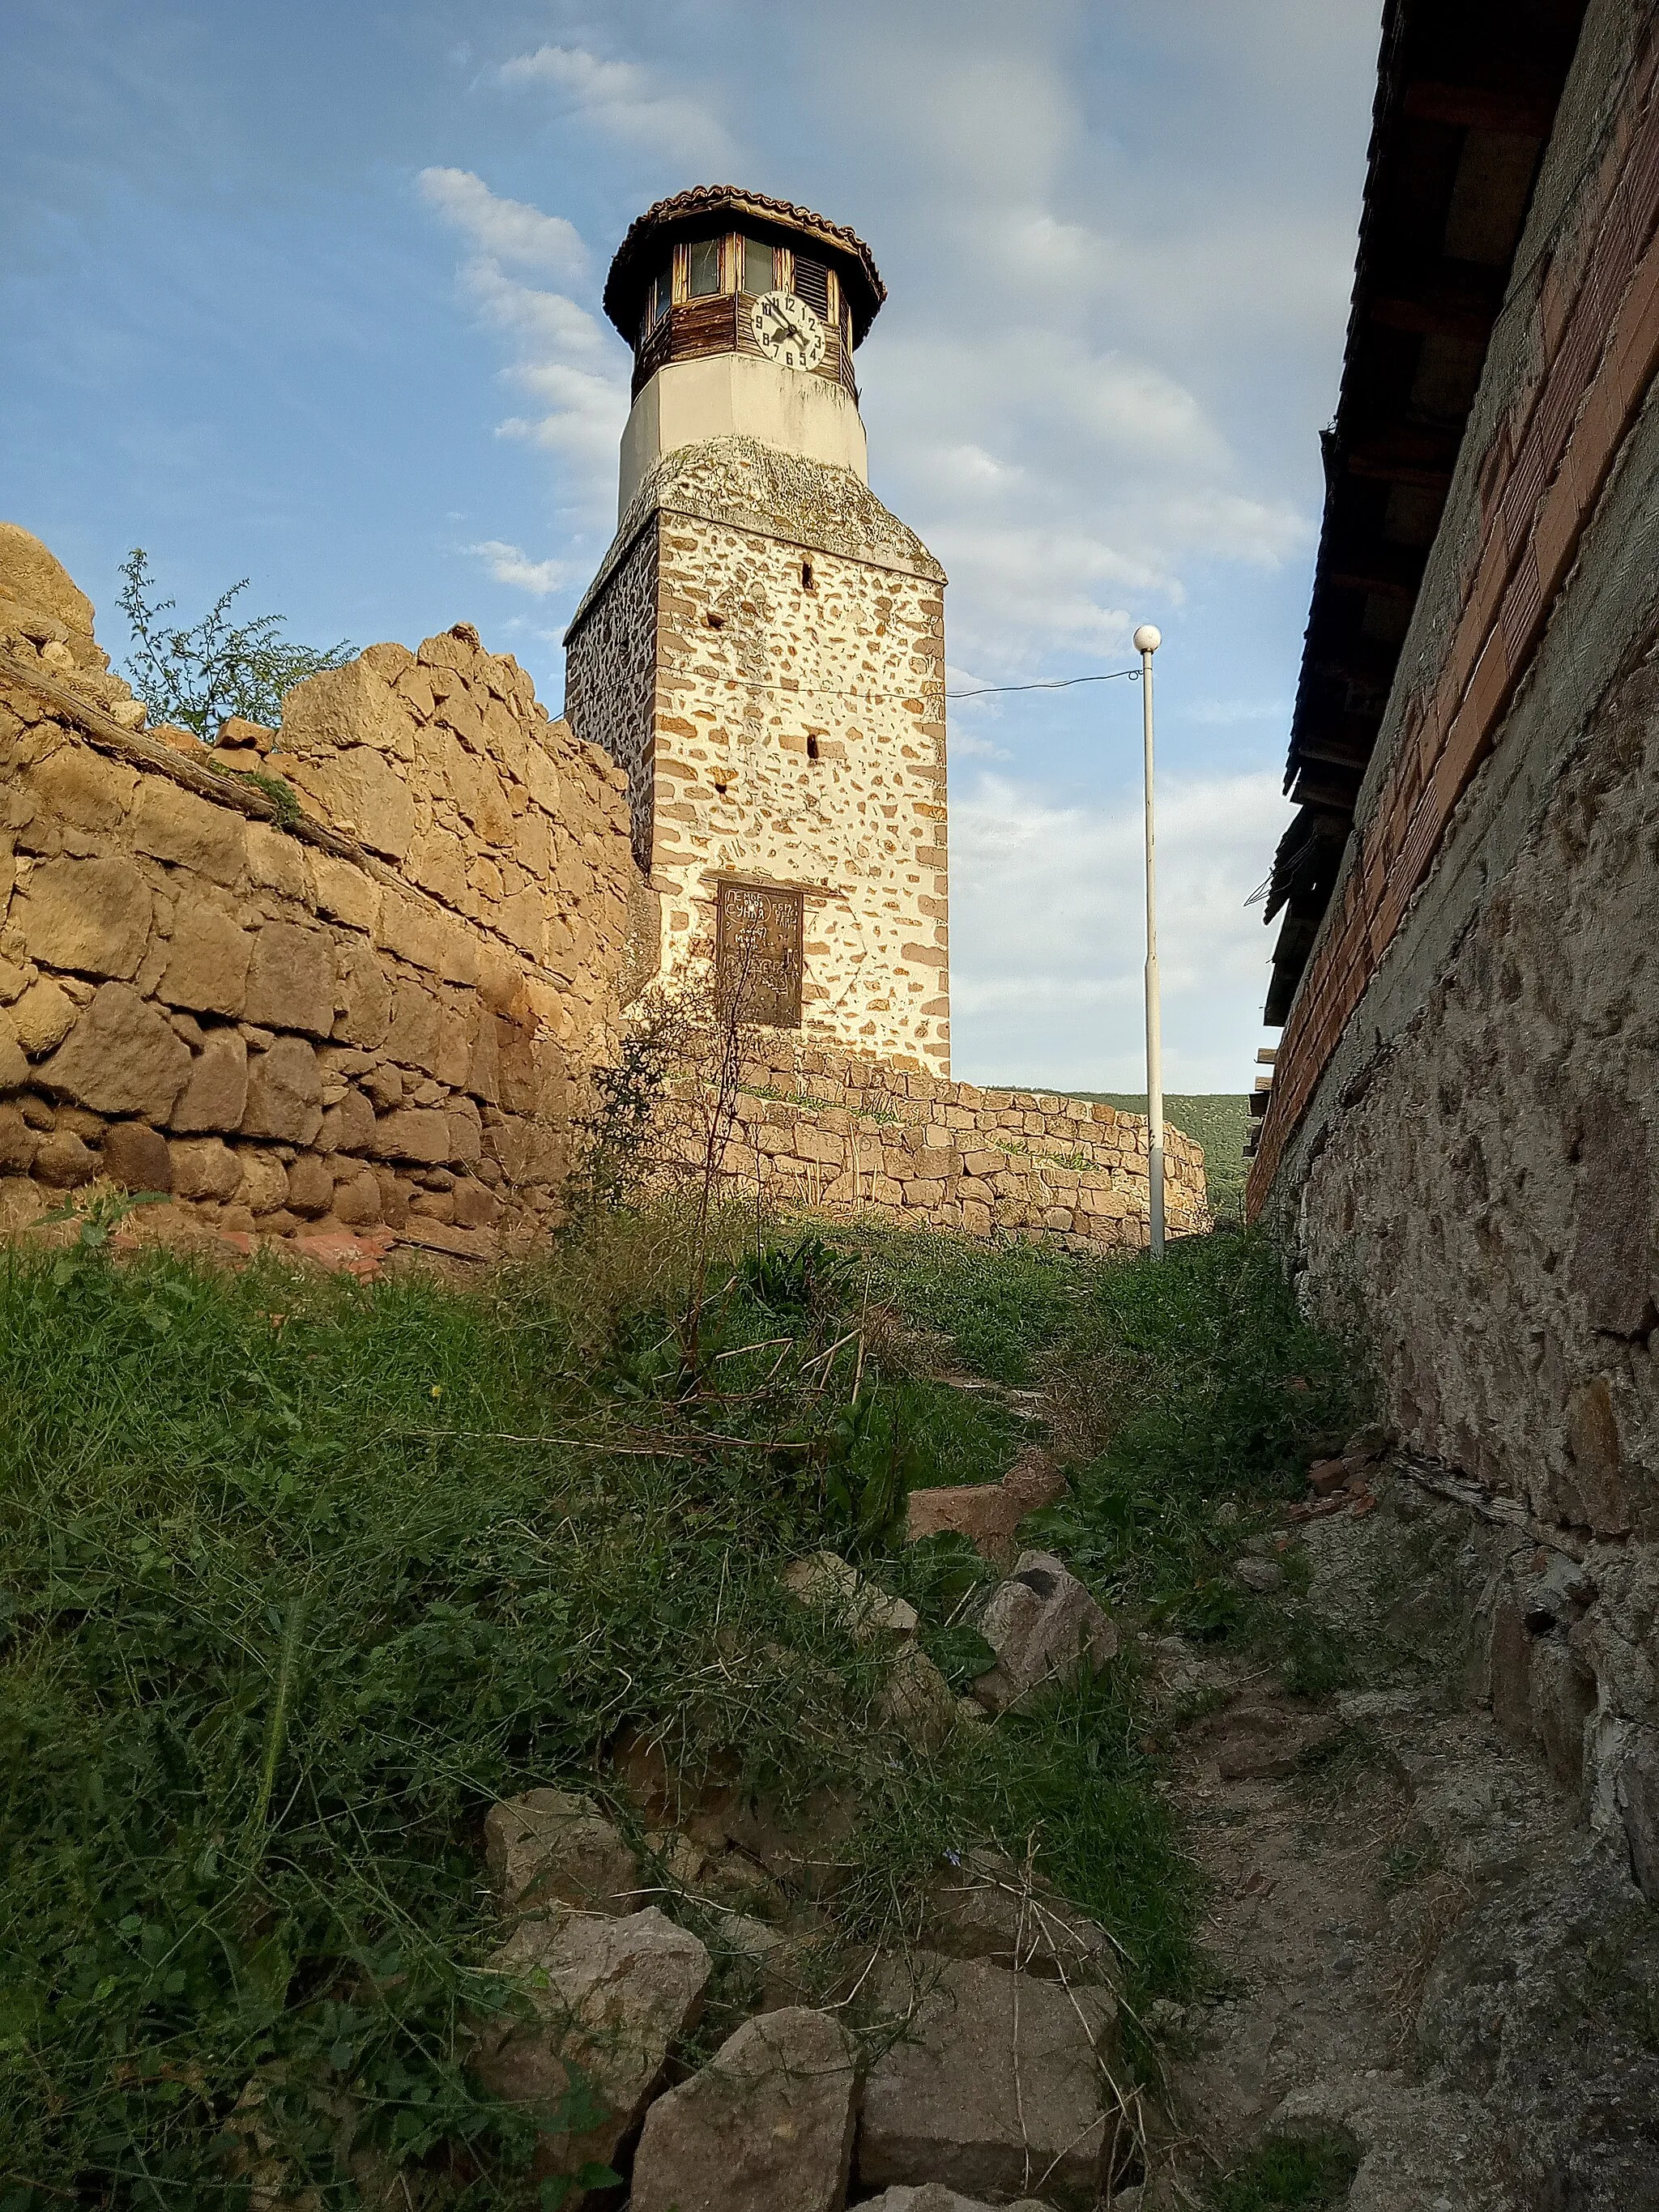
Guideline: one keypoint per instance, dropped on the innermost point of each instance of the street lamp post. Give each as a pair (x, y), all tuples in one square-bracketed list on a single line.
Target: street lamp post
[(1147, 640)]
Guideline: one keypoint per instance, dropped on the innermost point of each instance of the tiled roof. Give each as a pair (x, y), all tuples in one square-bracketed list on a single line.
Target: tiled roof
[(686, 213)]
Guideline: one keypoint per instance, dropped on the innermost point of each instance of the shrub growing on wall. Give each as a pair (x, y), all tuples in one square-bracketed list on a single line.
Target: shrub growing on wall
[(198, 678)]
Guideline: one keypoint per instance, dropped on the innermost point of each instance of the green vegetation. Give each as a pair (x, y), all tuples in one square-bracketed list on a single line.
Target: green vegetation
[(1217, 1119), (1289, 2173), (299, 1576), (197, 677)]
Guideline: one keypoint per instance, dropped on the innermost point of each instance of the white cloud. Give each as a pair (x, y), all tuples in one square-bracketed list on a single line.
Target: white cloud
[(622, 98), (562, 356), (505, 230), (1048, 931), (511, 564)]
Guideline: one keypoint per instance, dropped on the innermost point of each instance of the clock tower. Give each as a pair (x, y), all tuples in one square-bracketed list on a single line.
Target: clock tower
[(762, 649)]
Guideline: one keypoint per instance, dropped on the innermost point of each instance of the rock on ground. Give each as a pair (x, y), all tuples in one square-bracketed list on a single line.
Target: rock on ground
[(866, 1611), (989, 1908), (998, 2086), (551, 1847), (934, 2197), (917, 1701), (766, 2127), (609, 1998), (1043, 1626)]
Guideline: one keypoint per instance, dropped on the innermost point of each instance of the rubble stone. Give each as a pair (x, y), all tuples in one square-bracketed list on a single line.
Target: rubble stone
[(551, 1847), (1045, 1627), (989, 1908), (610, 1996), (767, 2126), (997, 2087)]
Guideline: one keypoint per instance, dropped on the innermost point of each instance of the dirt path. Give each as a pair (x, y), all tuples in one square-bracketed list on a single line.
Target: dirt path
[(1407, 1915)]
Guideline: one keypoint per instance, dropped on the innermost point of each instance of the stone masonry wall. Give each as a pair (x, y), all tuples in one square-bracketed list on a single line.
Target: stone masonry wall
[(797, 732), (1470, 1181), (609, 677), (849, 1135), (365, 1016)]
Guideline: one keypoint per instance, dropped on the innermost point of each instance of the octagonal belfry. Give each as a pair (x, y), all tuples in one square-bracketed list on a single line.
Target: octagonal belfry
[(763, 646)]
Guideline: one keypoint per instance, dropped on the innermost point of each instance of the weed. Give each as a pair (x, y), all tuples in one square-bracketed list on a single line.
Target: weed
[(1289, 2173)]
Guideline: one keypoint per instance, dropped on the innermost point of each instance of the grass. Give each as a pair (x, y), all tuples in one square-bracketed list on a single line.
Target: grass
[(1289, 2173), (301, 1576)]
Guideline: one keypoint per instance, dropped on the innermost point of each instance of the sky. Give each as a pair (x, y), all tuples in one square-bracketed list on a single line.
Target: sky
[(310, 294)]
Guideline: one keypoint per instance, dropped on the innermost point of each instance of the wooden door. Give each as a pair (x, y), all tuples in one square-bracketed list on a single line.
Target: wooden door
[(757, 954)]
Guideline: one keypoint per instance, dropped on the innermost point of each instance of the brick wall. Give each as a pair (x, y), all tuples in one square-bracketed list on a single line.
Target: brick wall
[(368, 1017)]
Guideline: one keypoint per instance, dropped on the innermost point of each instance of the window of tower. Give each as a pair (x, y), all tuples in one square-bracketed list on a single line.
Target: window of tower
[(760, 267), (812, 285), (703, 268), (659, 298)]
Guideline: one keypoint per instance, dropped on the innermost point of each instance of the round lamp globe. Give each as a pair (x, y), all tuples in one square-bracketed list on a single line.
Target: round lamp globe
[(1148, 638)]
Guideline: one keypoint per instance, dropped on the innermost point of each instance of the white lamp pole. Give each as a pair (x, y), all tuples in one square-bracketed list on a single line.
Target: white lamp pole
[(1147, 640)]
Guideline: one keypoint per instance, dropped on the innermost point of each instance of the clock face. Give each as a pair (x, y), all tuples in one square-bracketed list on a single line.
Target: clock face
[(786, 330)]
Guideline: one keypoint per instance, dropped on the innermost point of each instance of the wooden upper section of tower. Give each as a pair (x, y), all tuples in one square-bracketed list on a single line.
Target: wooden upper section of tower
[(685, 279)]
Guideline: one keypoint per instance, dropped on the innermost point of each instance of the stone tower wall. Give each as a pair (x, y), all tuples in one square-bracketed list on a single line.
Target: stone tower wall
[(796, 731)]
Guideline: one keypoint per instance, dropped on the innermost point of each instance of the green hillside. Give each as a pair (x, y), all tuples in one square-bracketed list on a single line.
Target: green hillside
[(1217, 1119)]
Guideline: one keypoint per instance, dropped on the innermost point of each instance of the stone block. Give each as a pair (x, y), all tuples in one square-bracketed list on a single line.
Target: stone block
[(343, 890), (465, 1134), (276, 861), (14, 1064), (215, 1096), (291, 978), (121, 1057), (264, 1185), (91, 916), (360, 793), (357, 1199), (609, 1997), (64, 1161), (1562, 1693), (205, 1169), (18, 1142), (362, 994), (174, 825), (414, 1133), (413, 932), (80, 786), (207, 959), (310, 1185), (348, 1127), (342, 709), (998, 2088), (42, 1017), (987, 1907), (412, 1038), (137, 1156), (284, 1093), (767, 2126), (554, 1849)]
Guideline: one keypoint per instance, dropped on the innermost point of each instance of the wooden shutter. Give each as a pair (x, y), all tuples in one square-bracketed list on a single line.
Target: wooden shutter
[(757, 954)]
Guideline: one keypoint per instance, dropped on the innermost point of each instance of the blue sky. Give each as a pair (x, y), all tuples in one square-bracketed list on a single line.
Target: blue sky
[(311, 294)]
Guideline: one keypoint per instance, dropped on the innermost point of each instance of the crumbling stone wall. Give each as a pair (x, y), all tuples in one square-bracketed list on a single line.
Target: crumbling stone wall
[(350, 988), (795, 733), (861, 1136)]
